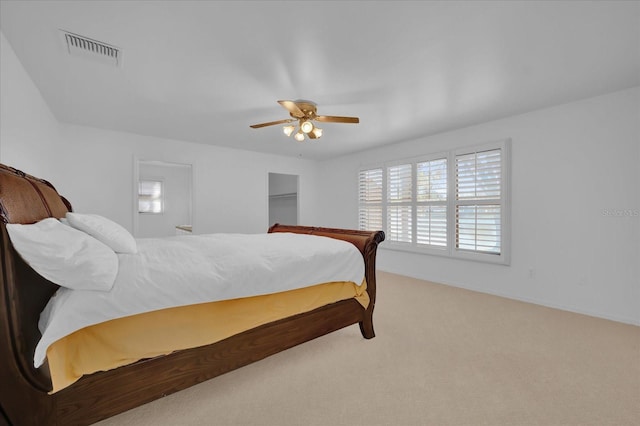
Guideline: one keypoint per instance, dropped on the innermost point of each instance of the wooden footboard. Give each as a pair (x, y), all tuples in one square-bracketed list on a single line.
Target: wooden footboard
[(23, 294), (367, 242)]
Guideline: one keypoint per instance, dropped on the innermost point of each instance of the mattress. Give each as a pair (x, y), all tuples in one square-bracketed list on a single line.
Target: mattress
[(195, 269)]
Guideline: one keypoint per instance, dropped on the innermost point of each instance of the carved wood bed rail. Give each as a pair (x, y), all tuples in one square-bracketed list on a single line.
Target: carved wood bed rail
[(24, 398)]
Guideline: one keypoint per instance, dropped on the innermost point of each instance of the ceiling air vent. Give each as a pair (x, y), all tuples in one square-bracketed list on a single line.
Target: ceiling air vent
[(85, 47)]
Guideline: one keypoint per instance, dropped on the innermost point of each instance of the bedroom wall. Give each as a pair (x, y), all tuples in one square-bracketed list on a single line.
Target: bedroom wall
[(575, 207), (230, 186), (28, 129), (94, 168)]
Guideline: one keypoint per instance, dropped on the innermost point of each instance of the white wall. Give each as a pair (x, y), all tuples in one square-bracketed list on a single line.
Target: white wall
[(28, 129), (230, 189), (572, 165), (94, 168)]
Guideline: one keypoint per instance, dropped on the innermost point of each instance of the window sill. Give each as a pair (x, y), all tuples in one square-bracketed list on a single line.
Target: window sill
[(495, 259)]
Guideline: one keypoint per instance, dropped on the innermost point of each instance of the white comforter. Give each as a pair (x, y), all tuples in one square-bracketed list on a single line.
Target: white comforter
[(185, 270)]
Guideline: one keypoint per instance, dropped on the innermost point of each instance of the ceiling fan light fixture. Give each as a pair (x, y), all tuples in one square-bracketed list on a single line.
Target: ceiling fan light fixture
[(303, 114), (306, 126)]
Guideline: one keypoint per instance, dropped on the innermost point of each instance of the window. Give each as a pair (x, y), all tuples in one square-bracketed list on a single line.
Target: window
[(431, 203), (370, 199), (453, 203), (478, 206), (400, 203), (150, 196)]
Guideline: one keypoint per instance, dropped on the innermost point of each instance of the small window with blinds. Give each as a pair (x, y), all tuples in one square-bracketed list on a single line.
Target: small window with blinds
[(150, 196), (450, 204)]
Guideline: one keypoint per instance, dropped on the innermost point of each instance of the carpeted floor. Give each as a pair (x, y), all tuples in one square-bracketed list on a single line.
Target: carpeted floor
[(442, 356)]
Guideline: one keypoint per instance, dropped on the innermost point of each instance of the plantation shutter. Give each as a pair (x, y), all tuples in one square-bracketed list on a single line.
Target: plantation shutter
[(370, 200), (399, 208), (453, 203), (431, 203), (479, 201)]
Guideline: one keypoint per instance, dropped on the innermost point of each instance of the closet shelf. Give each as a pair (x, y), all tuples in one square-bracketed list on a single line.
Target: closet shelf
[(288, 195)]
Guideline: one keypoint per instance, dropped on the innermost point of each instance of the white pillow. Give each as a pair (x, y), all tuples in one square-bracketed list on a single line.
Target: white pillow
[(64, 255), (105, 230)]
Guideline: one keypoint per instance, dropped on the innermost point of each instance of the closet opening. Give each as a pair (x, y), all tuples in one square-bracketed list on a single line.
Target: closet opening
[(283, 199)]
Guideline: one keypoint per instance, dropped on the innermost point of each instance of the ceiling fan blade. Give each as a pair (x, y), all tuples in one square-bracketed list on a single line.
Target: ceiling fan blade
[(336, 119), (271, 123), (293, 108)]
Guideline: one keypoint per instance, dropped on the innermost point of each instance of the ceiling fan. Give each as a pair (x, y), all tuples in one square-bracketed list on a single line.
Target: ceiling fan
[(304, 112)]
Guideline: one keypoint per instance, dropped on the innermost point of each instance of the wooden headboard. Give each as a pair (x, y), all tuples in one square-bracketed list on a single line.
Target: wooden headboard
[(24, 294), (27, 199)]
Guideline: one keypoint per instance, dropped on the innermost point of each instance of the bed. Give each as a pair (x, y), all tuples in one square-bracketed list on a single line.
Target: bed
[(26, 396)]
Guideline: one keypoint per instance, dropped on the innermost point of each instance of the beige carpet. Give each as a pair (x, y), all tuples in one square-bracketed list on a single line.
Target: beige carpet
[(442, 356)]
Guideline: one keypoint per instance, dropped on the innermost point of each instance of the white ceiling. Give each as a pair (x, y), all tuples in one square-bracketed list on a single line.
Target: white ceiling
[(203, 71)]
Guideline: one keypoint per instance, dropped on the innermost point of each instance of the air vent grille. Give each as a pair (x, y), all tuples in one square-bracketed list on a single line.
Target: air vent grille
[(78, 45)]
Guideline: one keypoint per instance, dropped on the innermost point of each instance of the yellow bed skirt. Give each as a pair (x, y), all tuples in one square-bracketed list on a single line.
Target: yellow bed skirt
[(126, 340)]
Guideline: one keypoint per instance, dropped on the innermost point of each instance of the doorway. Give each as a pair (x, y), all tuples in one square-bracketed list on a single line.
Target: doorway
[(283, 199), (163, 199)]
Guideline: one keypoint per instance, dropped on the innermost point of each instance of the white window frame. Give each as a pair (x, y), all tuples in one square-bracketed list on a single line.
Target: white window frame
[(451, 203)]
